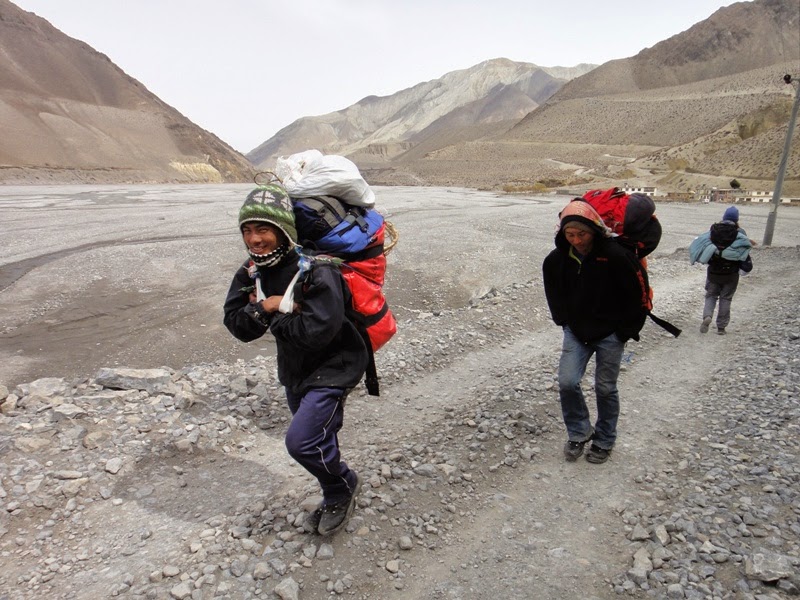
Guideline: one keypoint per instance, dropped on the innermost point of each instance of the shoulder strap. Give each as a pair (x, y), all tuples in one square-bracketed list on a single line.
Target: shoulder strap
[(287, 302), (647, 301), (331, 209), (304, 266)]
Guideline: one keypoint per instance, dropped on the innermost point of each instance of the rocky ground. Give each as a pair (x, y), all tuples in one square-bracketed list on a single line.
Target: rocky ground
[(139, 481)]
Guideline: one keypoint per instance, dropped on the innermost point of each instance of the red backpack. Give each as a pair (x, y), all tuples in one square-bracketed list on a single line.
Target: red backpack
[(364, 276), (632, 217)]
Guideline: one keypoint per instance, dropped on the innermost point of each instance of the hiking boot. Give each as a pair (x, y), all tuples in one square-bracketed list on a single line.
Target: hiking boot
[(311, 524), (335, 516), (572, 450), (597, 455), (704, 326), (721, 331)]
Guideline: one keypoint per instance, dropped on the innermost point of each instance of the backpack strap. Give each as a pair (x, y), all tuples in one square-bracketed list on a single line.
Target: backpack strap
[(362, 322), (669, 327), (354, 218), (371, 374), (333, 211), (647, 299), (365, 254)]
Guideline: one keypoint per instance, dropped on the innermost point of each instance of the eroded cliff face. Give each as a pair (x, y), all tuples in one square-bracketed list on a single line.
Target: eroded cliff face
[(71, 115)]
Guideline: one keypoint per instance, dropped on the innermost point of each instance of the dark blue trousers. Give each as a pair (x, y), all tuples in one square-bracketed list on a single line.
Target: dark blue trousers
[(313, 442)]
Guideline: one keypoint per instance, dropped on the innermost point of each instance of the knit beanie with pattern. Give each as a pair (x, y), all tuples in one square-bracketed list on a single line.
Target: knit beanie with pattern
[(270, 204)]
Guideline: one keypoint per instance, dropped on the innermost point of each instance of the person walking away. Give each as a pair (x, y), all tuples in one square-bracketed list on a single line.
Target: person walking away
[(724, 268), (321, 355), (594, 293)]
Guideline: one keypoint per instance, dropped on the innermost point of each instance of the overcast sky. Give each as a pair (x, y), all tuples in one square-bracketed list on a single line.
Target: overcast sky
[(244, 69)]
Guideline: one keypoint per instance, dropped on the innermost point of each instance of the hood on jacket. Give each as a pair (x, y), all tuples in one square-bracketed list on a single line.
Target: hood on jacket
[(580, 211)]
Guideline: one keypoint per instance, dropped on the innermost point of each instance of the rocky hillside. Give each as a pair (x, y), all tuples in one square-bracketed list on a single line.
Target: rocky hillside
[(461, 105), (70, 115), (699, 108)]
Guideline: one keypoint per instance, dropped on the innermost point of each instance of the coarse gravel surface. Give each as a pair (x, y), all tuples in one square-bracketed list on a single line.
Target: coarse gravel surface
[(142, 448)]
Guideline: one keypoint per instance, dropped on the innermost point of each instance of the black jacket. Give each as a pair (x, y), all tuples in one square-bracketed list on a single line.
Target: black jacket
[(598, 296), (722, 270), (317, 347)]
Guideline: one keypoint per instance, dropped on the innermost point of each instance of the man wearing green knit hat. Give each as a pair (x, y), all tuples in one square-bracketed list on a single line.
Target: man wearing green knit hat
[(268, 204), (321, 354)]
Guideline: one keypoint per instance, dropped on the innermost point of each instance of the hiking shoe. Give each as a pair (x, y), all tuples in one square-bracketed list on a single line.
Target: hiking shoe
[(311, 524), (704, 326), (721, 331), (572, 450), (334, 516), (597, 455)]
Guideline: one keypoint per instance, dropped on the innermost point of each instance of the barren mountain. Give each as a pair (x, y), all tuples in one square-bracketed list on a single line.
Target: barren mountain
[(70, 114), (461, 104), (699, 108)]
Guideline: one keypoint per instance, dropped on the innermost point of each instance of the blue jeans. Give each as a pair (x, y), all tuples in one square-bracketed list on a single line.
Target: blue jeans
[(312, 440), (575, 357)]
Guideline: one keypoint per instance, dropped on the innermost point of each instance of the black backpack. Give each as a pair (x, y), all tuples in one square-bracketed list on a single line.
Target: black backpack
[(723, 234)]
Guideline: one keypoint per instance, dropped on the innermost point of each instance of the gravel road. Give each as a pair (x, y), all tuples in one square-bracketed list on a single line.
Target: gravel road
[(173, 482)]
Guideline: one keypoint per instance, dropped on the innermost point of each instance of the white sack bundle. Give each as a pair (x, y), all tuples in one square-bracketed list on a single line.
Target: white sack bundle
[(310, 173)]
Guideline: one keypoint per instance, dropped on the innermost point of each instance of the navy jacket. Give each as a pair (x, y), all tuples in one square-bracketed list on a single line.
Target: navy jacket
[(317, 347), (597, 296)]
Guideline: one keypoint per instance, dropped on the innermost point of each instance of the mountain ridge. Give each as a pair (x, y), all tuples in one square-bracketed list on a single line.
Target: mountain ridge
[(398, 117)]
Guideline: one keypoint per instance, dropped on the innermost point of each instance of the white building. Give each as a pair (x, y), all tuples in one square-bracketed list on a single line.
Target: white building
[(646, 190), (755, 196), (765, 197), (735, 196)]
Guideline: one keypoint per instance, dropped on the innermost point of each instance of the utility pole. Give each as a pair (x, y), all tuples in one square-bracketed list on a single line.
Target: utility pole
[(787, 147)]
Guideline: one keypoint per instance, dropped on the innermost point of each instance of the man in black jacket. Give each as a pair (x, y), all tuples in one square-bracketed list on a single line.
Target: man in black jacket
[(321, 355), (595, 294)]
